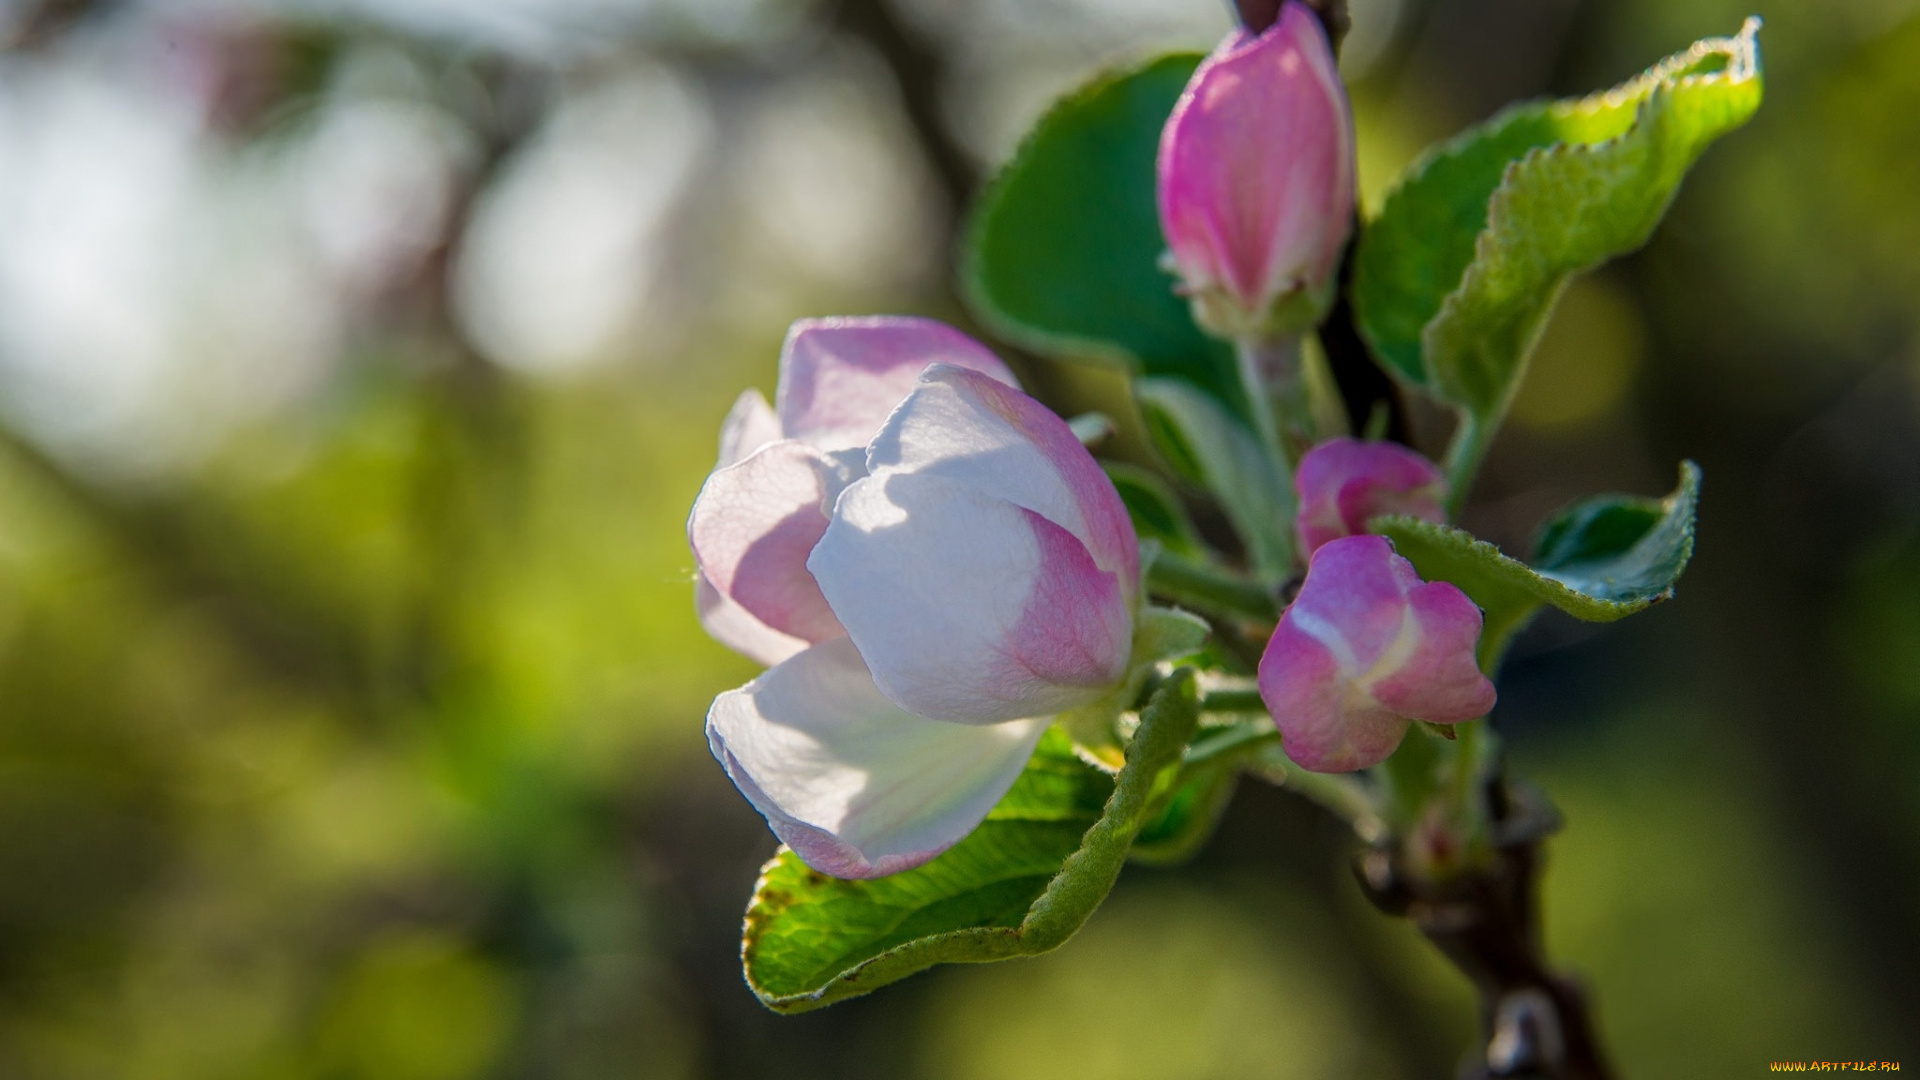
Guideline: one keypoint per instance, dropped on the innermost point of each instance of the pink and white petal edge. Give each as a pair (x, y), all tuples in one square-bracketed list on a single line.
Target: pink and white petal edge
[(841, 377), (750, 425), (752, 527), (735, 627), (1324, 727)]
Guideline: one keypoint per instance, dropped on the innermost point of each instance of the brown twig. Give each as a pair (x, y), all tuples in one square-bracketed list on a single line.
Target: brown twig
[(1485, 919), (1364, 384)]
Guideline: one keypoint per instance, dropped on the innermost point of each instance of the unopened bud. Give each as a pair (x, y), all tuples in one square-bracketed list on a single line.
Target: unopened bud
[(1256, 180)]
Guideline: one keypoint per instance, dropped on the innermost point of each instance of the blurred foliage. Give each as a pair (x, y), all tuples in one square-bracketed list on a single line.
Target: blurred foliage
[(350, 692)]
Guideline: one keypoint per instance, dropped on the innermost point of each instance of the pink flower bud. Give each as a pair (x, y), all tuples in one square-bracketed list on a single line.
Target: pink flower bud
[(1257, 180), (1344, 482), (1366, 649)]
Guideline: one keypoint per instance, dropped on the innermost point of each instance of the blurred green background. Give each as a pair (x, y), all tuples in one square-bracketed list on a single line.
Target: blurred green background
[(359, 360)]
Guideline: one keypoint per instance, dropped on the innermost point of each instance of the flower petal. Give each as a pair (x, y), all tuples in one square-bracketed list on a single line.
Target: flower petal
[(1355, 600), (1345, 482), (749, 425), (751, 530), (978, 433), (1439, 681), (1323, 725), (736, 628), (858, 787), (967, 607), (839, 378), (1256, 165)]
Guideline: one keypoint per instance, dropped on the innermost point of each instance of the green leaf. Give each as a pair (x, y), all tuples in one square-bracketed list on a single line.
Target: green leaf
[(1063, 252), (1155, 508), (1454, 280), (1600, 560), (1217, 451), (1020, 884)]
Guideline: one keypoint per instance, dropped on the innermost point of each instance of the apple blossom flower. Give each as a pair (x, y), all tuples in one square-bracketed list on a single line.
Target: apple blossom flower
[(782, 465), (1366, 649), (1256, 180), (986, 578), (1345, 482)]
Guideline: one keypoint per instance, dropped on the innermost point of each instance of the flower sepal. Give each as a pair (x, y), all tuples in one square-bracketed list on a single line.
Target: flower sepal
[(1100, 730), (1223, 315)]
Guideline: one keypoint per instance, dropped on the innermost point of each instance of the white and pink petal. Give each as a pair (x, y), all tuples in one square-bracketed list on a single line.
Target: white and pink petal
[(841, 377), (1439, 680), (1256, 166), (982, 434), (750, 425), (752, 528), (967, 607), (858, 787), (1325, 725), (735, 627)]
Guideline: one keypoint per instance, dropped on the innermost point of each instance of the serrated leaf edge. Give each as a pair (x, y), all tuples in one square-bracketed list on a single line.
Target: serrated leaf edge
[(1653, 86), (1741, 48), (1545, 587)]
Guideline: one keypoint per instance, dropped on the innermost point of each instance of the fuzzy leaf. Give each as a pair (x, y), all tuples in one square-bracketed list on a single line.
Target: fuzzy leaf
[(1063, 251), (1020, 884), (1216, 450), (1454, 280), (1601, 560), (1168, 634)]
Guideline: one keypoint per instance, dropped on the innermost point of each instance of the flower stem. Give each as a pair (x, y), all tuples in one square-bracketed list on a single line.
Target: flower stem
[(1345, 795), (1209, 589), (1265, 368), (1465, 452), (1235, 700), (1285, 401)]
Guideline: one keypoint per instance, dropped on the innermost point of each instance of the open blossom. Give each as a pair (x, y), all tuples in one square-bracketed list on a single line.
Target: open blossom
[(1345, 482), (1256, 179), (781, 467), (981, 576), (1366, 649)]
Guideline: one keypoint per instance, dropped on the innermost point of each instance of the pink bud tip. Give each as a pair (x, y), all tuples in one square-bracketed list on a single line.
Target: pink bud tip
[(1344, 482), (1257, 179), (1366, 649)]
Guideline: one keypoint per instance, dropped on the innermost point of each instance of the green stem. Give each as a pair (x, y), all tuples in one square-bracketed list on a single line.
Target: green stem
[(1344, 794), (1264, 368), (1467, 750), (1464, 454), (1285, 399), (1209, 589), (1233, 701)]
